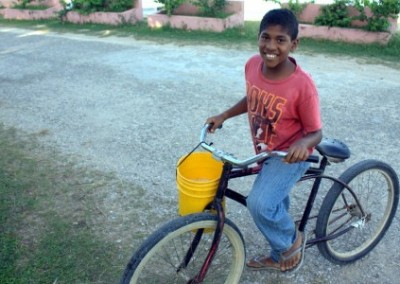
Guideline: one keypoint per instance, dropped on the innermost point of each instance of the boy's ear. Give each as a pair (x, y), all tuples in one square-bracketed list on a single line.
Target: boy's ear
[(295, 44)]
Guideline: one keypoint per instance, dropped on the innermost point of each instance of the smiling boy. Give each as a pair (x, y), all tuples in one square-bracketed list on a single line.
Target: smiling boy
[(283, 110)]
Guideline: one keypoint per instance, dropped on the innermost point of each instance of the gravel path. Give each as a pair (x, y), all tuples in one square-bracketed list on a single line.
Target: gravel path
[(134, 107)]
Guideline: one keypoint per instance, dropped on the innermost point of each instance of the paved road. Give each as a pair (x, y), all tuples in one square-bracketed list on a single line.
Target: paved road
[(134, 107)]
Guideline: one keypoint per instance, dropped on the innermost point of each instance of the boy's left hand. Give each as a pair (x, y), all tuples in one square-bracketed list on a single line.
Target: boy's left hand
[(296, 153)]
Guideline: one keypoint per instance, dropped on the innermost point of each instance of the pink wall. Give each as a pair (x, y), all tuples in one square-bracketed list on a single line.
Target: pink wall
[(130, 16), (183, 20), (343, 34), (18, 14)]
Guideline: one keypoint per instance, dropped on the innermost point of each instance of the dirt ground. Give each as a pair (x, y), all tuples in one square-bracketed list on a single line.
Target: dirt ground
[(134, 108)]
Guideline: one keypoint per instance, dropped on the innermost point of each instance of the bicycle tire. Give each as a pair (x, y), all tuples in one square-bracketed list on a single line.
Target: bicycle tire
[(376, 186), (157, 259)]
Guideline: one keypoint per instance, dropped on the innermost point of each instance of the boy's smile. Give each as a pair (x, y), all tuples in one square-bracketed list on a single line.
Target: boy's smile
[(275, 44)]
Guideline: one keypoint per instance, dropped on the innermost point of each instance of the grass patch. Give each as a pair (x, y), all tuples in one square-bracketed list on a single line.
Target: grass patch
[(49, 218), (372, 53), (244, 37)]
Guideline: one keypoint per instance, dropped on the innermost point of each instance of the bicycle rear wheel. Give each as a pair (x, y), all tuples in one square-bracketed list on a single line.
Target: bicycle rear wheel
[(376, 186), (160, 256)]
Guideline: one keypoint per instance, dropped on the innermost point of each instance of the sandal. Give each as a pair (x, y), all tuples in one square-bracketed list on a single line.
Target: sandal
[(293, 258), (287, 262), (263, 263)]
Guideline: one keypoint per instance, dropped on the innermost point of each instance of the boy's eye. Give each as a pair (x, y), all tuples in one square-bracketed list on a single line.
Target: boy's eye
[(279, 40)]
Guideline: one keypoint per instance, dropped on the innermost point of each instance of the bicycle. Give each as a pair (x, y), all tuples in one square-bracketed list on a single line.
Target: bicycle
[(207, 247)]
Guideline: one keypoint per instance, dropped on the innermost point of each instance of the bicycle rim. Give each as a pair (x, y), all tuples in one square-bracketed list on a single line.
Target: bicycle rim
[(161, 260)]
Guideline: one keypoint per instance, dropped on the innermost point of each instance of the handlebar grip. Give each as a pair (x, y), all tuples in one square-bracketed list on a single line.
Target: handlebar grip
[(204, 131), (211, 125)]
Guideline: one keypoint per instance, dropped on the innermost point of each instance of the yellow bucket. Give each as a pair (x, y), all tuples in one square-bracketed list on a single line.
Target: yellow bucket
[(197, 179)]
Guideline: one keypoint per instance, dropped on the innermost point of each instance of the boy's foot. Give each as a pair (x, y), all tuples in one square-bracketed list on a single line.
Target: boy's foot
[(263, 263), (292, 258), (289, 260)]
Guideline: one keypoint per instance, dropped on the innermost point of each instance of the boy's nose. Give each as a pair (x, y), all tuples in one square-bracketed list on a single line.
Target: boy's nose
[(271, 45)]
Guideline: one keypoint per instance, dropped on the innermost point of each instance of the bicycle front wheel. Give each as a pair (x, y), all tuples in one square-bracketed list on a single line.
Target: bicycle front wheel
[(376, 187), (160, 257)]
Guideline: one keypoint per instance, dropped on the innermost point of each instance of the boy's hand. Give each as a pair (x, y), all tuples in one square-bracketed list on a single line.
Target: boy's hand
[(296, 153), (215, 122)]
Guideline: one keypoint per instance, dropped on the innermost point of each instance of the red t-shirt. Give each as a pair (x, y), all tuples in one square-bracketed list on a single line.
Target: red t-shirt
[(280, 112)]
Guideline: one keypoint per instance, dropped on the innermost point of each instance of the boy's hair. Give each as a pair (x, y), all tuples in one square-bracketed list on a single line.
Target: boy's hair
[(281, 17)]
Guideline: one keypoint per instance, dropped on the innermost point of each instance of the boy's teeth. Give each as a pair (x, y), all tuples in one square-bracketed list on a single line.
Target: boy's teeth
[(270, 55)]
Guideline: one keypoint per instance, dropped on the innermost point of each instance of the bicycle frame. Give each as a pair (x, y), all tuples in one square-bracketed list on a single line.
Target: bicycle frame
[(228, 172), (207, 244)]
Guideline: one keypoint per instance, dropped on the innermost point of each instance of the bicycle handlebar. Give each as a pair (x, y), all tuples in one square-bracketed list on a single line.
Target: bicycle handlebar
[(225, 157)]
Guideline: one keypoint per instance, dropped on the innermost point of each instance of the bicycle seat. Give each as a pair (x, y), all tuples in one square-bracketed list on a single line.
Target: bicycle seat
[(335, 150)]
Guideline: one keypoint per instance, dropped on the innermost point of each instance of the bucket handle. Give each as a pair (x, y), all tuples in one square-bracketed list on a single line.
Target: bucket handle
[(187, 156)]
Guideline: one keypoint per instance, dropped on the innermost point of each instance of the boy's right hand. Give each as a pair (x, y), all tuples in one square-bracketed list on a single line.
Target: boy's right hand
[(215, 122)]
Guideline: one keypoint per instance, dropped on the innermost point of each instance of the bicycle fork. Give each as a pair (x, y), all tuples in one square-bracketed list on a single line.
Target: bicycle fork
[(217, 205)]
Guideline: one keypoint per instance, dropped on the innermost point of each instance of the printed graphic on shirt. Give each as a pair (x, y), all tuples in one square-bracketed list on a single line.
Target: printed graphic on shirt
[(265, 110)]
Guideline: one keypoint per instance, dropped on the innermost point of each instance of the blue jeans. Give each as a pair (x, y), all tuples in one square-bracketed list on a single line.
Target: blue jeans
[(268, 203)]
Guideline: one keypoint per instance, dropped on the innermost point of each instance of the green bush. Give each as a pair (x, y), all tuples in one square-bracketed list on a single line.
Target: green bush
[(90, 6), (170, 5), (22, 4), (334, 15), (382, 10), (208, 8), (296, 7), (211, 8), (27, 4)]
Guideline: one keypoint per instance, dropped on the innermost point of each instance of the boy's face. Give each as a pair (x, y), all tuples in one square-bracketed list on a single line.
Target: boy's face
[(275, 44)]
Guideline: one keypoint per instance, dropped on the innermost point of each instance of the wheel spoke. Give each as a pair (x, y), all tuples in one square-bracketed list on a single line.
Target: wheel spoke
[(340, 226)]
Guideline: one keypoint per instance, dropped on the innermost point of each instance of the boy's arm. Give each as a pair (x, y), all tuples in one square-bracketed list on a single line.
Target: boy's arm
[(218, 120), (298, 151)]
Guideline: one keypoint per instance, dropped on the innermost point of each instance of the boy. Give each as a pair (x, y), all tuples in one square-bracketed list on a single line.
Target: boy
[(283, 110)]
